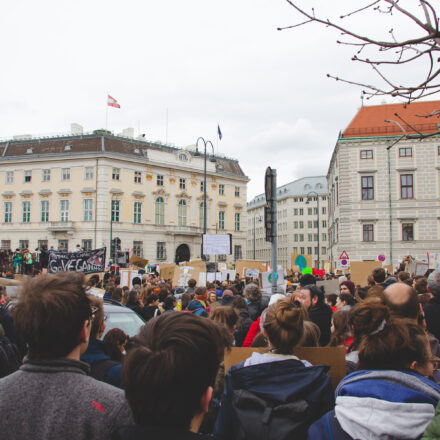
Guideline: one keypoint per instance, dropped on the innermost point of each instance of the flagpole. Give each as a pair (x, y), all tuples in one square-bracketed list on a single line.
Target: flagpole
[(106, 113)]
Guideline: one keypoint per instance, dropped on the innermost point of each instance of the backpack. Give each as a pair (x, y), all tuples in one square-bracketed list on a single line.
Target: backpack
[(10, 359)]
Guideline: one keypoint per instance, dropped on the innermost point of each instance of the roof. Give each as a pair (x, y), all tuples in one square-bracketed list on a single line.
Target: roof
[(301, 187), (370, 120), (100, 142)]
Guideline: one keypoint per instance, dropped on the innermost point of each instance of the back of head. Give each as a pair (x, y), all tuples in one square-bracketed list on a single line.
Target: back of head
[(311, 335), (252, 293), (168, 372), (307, 279), (239, 303), (434, 283), (225, 315), (379, 274), (137, 281), (331, 298), (117, 294), (133, 297), (341, 327), (168, 302), (192, 283), (390, 343), (402, 300), (284, 325), (421, 285), (50, 313), (347, 298)]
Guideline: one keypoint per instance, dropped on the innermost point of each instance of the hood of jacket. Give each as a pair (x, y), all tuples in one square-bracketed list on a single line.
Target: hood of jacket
[(375, 404), (95, 352)]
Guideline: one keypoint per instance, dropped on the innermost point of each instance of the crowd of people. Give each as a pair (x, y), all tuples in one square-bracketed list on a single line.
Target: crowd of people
[(169, 381)]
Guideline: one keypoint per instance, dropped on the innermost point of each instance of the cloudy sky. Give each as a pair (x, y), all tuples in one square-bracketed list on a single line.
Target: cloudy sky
[(205, 61)]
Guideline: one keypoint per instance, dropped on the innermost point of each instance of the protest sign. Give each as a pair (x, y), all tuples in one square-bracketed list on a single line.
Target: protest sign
[(138, 261), (166, 270), (217, 244), (91, 261), (360, 270), (266, 279), (252, 273), (299, 262), (242, 265), (334, 357), (12, 291), (122, 258), (186, 271), (330, 286), (127, 276), (228, 275), (434, 260)]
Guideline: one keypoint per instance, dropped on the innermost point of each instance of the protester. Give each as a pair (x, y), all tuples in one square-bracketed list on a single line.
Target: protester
[(151, 307), (117, 294), (347, 287), (390, 397), (227, 297), (197, 308), (134, 304), (311, 335), (169, 304), (266, 383), (102, 367), (331, 299), (341, 333), (345, 301), (244, 321), (256, 305), (226, 316), (191, 286), (114, 343), (212, 300), (379, 275), (55, 396), (169, 377), (312, 298)]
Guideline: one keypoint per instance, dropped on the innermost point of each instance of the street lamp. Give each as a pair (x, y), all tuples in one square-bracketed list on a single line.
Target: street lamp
[(308, 201), (260, 219), (212, 159)]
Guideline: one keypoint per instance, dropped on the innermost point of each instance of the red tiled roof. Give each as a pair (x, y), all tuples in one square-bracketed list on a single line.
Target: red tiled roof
[(370, 120)]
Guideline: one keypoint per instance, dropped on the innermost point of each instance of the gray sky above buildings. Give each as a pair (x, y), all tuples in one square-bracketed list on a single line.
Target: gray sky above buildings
[(205, 61)]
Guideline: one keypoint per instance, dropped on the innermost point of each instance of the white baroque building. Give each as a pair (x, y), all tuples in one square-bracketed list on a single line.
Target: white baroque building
[(302, 227), (82, 189), (373, 211)]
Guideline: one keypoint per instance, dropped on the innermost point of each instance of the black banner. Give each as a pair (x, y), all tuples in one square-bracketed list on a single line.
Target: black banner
[(92, 261)]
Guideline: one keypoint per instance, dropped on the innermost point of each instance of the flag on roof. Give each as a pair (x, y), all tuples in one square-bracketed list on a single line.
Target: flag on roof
[(219, 132), (111, 102)]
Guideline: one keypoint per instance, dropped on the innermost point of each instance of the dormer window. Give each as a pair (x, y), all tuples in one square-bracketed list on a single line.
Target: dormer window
[(183, 157)]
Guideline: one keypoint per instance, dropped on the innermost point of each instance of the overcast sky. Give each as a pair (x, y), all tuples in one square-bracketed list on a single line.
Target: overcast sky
[(207, 61)]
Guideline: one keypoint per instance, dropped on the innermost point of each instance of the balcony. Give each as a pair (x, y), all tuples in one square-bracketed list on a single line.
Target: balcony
[(66, 227)]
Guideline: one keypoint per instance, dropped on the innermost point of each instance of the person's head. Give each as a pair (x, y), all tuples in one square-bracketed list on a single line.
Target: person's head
[(98, 322), (402, 301), (239, 303), (151, 300), (284, 326), (375, 291), (403, 277), (345, 299), (340, 327), (192, 283), (421, 285), (361, 292), (53, 315), (252, 293), (201, 293), (168, 377), (226, 316), (311, 335), (185, 299), (137, 281), (117, 294), (212, 296), (379, 274), (310, 296), (393, 344), (169, 303), (307, 280), (133, 297), (434, 283), (93, 280), (347, 287), (114, 342), (370, 281), (330, 299)]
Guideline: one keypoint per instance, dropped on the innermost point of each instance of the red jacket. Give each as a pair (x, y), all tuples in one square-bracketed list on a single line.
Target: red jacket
[(252, 332)]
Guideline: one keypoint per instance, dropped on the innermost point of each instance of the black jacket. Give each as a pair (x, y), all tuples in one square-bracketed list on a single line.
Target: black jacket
[(432, 316), (321, 315), (243, 325), (156, 433)]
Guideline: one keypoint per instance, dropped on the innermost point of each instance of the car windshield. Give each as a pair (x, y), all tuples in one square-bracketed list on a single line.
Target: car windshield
[(129, 322)]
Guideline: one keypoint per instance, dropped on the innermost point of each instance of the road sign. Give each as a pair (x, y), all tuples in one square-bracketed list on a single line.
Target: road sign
[(344, 256), (381, 258), (344, 262)]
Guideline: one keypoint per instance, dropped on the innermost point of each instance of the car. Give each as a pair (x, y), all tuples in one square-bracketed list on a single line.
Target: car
[(118, 316)]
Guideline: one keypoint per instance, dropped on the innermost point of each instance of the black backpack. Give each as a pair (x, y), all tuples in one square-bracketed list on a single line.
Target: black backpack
[(10, 359)]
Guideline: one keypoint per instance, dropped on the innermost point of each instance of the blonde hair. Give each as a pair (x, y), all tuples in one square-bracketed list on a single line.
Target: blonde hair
[(284, 325)]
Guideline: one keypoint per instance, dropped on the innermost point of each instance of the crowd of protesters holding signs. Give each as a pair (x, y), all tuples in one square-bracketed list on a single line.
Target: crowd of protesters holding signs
[(61, 378)]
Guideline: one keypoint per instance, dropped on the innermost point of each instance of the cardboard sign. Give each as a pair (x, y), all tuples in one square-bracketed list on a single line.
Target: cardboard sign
[(127, 276), (434, 261), (334, 357), (266, 279), (252, 273), (299, 262), (242, 265), (217, 244), (360, 270), (166, 271), (92, 261), (138, 261), (330, 286), (186, 271), (228, 275), (420, 268)]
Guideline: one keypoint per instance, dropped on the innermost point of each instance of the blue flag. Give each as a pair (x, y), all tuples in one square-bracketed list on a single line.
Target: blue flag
[(219, 132)]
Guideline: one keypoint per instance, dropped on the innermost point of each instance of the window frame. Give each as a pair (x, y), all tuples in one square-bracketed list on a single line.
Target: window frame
[(137, 177), (87, 210), (182, 183), (237, 221), (9, 178), (65, 174), (89, 173), (45, 175), (237, 191), (116, 174), (159, 180), (182, 213), (368, 232), (365, 154), (406, 188), (115, 214), (159, 211), (406, 227), (64, 210), (405, 151), (161, 250), (44, 213), (367, 191), (27, 176), (221, 189), (7, 212), (221, 220), (137, 212), (26, 213)]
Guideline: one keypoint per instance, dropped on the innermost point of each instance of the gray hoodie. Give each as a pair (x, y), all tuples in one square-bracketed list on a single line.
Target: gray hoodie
[(57, 399)]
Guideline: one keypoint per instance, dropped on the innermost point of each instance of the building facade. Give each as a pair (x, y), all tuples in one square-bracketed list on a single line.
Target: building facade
[(302, 222), (83, 189), (375, 211)]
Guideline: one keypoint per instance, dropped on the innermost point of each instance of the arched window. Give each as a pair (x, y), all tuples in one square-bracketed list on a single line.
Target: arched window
[(201, 214), (181, 213), (160, 211)]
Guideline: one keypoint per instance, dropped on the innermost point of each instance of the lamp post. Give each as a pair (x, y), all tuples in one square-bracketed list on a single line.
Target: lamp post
[(212, 159), (317, 198), (259, 220)]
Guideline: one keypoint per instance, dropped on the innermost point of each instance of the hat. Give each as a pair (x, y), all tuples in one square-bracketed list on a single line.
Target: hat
[(227, 292)]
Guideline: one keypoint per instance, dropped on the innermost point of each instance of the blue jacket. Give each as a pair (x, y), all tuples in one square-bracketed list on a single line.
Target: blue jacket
[(379, 404), (96, 353), (287, 381)]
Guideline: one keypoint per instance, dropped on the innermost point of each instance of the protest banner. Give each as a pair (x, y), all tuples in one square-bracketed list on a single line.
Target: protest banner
[(166, 270), (360, 270), (91, 261), (217, 244), (299, 262), (242, 265), (138, 261), (334, 357), (434, 260)]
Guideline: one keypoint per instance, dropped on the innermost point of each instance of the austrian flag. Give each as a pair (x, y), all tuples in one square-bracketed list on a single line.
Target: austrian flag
[(111, 102)]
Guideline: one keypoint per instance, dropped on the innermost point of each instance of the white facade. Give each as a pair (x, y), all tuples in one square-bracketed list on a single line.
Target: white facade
[(298, 221), (153, 193), (366, 201)]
